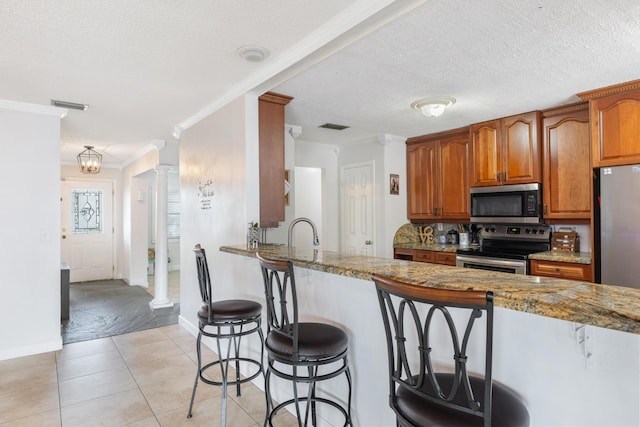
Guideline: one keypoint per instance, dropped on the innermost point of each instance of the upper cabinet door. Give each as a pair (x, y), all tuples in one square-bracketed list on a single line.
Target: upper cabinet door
[(453, 162), (421, 180), (616, 127), (485, 143), (271, 157), (566, 164), (615, 124), (521, 148)]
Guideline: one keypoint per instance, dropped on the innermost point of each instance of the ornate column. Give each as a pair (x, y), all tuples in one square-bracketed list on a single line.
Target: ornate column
[(161, 282)]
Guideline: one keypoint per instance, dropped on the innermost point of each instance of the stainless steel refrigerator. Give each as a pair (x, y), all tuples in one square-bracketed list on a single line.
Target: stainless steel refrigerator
[(620, 226)]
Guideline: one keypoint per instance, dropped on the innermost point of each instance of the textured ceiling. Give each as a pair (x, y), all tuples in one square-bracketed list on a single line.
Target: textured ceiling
[(497, 58), (147, 67)]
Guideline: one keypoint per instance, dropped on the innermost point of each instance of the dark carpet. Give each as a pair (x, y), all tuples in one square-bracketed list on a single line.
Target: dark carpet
[(111, 307)]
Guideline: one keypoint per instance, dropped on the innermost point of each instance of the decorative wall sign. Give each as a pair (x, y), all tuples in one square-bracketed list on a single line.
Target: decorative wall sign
[(394, 184), (205, 194)]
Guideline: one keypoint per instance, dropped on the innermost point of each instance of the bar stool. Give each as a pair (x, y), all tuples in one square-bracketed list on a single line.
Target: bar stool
[(423, 397), (224, 320), (296, 350)]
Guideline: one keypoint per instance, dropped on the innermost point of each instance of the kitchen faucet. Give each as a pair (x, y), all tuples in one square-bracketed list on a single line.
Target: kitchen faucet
[(316, 242)]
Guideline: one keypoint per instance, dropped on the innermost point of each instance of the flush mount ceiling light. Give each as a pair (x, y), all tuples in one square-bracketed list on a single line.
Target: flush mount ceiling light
[(433, 107), (70, 105), (90, 161), (253, 53)]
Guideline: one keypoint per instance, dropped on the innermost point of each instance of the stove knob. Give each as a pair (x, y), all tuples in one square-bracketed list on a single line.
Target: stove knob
[(493, 229), (486, 229), (527, 230), (534, 231)]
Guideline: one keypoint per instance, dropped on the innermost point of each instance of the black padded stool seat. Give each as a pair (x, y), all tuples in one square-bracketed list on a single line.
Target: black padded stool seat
[(304, 353), (424, 392), (230, 310), (316, 341), (226, 321), (507, 409)]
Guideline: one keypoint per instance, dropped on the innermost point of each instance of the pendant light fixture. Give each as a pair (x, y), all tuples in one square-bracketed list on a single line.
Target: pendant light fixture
[(90, 161)]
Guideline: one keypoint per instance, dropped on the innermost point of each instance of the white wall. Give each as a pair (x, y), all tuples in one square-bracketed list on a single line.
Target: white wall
[(395, 206), (325, 157), (219, 149), (29, 231), (136, 218), (308, 191)]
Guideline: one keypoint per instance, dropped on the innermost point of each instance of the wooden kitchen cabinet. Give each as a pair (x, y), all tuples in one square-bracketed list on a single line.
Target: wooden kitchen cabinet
[(423, 256), (271, 157), (506, 151), (566, 163), (403, 253), (615, 124), (561, 270), (438, 176), (446, 258), (436, 257)]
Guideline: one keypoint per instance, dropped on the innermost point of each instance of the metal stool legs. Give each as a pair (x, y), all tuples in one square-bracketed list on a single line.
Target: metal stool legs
[(310, 398), (223, 361)]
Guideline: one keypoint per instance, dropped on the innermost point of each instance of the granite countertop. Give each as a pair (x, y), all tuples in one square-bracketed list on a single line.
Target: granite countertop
[(575, 257), (436, 247), (606, 306)]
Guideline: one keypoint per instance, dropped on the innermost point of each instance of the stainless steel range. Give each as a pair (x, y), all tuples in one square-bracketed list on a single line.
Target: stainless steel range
[(506, 247)]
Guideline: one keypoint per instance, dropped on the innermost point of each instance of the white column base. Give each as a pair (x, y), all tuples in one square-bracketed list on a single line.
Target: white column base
[(154, 303)]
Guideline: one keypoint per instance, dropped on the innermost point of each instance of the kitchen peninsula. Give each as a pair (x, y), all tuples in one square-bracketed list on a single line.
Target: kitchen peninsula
[(566, 372), (612, 307)]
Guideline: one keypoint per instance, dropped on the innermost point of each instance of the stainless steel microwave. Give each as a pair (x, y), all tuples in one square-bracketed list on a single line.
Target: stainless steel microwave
[(513, 204)]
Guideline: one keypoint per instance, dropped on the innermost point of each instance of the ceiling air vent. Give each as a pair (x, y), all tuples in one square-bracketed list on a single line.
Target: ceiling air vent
[(333, 126), (69, 105)]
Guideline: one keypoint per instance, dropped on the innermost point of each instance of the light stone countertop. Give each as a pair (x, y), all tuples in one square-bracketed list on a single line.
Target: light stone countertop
[(575, 257), (606, 306)]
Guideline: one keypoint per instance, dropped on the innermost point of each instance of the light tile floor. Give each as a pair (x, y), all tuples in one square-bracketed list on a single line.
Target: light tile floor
[(138, 379)]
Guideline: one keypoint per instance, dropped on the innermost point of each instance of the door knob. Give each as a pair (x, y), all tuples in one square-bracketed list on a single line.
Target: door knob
[(64, 237), (368, 242)]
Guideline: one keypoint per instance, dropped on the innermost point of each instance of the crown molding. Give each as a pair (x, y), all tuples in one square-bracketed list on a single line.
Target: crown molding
[(24, 107), (565, 109), (294, 131), (610, 90)]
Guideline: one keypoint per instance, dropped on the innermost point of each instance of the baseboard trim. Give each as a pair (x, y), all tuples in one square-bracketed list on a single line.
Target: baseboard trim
[(29, 350)]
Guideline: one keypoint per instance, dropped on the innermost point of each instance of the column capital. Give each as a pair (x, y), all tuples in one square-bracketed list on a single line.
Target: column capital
[(163, 168)]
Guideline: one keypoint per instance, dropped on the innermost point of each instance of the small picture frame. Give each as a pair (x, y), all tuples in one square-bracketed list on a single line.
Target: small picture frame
[(394, 184)]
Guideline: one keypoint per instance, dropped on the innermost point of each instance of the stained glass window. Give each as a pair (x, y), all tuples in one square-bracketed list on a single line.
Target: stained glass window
[(86, 211)]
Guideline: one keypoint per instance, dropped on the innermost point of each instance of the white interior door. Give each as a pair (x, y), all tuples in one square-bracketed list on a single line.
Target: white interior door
[(87, 229), (357, 212)]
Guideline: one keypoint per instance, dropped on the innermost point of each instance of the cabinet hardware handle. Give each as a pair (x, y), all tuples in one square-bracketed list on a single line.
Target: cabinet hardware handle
[(544, 208), (498, 176), (504, 176), (368, 242)]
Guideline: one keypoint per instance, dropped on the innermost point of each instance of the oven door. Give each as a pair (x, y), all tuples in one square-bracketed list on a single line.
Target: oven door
[(493, 264)]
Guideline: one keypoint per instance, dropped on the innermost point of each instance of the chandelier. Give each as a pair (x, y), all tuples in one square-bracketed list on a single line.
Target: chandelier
[(89, 160)]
